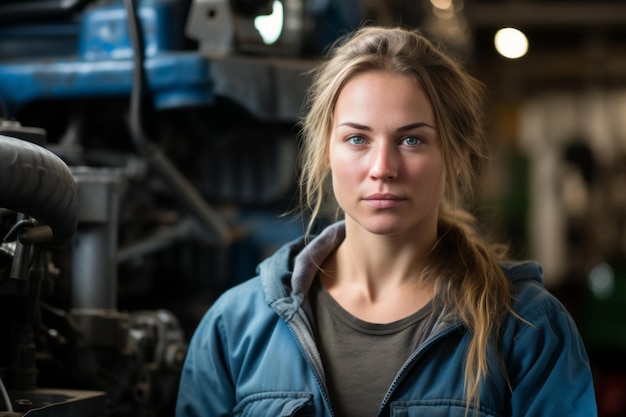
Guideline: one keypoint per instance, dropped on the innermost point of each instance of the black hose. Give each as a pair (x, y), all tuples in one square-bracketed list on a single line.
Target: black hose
[(135, 33), (36, 182)]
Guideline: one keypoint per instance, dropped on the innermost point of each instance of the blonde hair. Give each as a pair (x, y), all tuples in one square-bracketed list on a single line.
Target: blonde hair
[(464, 268)]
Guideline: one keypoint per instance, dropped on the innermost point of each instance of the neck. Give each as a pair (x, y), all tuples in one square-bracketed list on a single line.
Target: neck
[(378, 265)]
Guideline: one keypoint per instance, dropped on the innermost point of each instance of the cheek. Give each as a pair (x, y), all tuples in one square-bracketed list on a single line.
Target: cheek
[(341, 173), (338, 161), (345, 181), (429, 174)]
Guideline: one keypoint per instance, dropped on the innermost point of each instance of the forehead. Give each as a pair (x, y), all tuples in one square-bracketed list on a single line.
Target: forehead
[(383, 95)]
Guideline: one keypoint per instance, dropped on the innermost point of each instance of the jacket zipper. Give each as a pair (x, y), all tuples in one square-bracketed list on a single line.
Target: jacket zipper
[(411, 362), (299, 337)]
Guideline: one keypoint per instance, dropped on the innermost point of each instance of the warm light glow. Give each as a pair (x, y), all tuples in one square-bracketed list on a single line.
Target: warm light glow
[(442, 4), (511, 43), (444, 14), (270, 26)]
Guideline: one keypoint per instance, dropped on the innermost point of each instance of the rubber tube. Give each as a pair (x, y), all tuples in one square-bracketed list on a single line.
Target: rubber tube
[(36, 182)]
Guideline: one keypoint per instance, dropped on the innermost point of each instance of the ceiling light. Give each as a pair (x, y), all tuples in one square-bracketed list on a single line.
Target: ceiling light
[(511, 43)]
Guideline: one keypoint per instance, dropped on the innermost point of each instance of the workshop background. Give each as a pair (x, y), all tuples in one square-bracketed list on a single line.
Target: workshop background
[(148, 162)]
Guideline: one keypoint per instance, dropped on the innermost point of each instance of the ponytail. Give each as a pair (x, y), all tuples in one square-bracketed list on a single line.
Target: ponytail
[(472, 286)]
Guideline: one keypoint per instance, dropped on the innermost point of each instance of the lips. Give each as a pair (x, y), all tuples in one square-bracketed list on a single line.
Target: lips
[(380, 200)]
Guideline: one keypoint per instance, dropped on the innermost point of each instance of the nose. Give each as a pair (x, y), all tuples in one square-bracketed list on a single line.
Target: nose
[(384, 162)]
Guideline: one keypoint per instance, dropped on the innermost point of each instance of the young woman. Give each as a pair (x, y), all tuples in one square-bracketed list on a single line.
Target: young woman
[(399, 308)]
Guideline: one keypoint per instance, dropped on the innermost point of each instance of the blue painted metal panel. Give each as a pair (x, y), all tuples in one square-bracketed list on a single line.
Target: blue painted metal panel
[(104, 30), (174, 79), (102, 62)]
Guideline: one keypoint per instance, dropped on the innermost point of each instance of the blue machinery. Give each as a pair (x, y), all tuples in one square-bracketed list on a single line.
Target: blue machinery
[(97, 99), (88, 52)]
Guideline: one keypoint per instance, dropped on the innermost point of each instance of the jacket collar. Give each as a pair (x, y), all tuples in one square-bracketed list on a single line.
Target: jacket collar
[(291, 270), (289, 273)]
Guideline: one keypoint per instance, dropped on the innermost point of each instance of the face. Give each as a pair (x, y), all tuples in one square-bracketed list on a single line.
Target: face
[(385, 156)]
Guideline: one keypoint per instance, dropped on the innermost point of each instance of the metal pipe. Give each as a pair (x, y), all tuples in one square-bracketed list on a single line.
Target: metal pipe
[(94, 263)]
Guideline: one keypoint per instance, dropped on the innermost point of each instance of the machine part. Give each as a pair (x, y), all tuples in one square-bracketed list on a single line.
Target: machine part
[(104, 30), (14, 129), (188, 194), (160, 331), (162, 239), (211, 23), (100, 63), (221, 27), (271, 89), (35, 235), (28, 231), (58, 402), (159, 345), (180, 185), (103, 329), (94, 273), (36, 182), (25, 233), (7, 254), (143, 350), (176, 80)]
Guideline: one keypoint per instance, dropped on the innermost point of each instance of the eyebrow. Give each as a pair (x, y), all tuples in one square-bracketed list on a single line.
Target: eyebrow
[(400, 129)]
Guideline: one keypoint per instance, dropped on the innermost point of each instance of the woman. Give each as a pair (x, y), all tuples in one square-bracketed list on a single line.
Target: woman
[(399, 308)]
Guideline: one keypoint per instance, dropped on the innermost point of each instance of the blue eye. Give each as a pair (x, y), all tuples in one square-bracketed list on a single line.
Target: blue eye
[(412, 140), (356, 140)]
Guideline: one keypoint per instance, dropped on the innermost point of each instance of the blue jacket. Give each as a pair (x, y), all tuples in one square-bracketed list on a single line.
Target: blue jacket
[(254, 353)]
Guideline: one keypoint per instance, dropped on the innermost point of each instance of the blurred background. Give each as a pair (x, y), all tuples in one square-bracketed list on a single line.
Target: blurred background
[(165, 170)]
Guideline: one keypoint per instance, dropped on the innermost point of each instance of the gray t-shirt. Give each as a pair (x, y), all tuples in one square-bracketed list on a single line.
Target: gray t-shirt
[(361, 359)]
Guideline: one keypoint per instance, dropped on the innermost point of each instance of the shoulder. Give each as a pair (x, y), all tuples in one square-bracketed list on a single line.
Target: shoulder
[(541, 322), (540, 314), (235, 305), (240, 298), (530, 297), (545, 357), (522, 270)]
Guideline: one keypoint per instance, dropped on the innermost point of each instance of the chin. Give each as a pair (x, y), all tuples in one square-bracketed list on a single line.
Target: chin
[(383, 226), (387, 230)]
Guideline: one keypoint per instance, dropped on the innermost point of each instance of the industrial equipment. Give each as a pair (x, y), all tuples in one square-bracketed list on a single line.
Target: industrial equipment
[(143, 144)]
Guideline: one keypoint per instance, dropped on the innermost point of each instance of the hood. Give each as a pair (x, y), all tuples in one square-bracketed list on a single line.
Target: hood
[(290, 271)]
